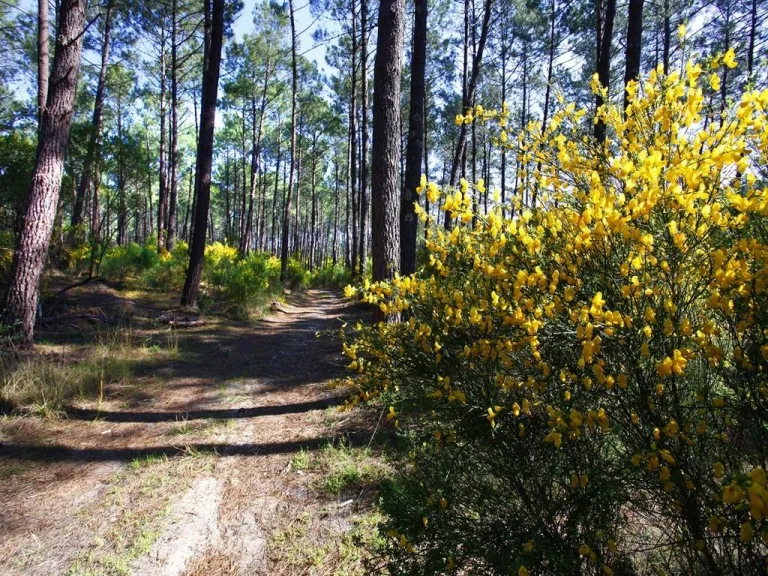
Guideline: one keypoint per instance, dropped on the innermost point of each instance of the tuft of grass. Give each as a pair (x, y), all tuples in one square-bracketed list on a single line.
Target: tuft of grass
[(342, 468), (301, 460), (148, 460), (43, 384)]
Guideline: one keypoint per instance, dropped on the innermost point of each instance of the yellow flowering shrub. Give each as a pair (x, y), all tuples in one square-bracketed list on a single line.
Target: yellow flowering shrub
[(581, 385)]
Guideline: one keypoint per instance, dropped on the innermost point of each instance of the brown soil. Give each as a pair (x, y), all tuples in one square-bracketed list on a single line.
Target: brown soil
[(189, 469)]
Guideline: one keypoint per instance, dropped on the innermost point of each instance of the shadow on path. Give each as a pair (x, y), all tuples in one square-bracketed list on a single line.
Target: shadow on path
[(217, 414), (58, 453)]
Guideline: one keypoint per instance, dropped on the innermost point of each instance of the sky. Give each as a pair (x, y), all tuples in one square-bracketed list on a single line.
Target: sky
[(306, 25)]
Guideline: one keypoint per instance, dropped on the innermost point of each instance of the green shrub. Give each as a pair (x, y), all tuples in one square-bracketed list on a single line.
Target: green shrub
[(169, 270), (128, 261), (241, 281), (582, 388), (296, 276), (331, 276)]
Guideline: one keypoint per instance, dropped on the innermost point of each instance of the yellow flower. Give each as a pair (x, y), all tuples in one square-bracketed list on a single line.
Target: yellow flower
[(729, 58), (423, 185), (746, 531), (681, 31), (522, 571), (433, 192), (714, 82), (555, 438)]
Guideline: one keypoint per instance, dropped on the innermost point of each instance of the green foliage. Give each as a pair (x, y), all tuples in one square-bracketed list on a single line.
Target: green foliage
[(582, 388), (6, 254), (241, 281), (331, 276), (296, 276), (17, 158), (170, 270), (128, 261)]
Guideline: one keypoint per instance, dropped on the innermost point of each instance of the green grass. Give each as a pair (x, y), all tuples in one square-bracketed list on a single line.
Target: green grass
[(42, 384), (148, 460)]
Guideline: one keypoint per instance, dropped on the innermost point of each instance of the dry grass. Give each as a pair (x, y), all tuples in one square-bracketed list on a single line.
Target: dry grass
[(44, 380), (135, 508)]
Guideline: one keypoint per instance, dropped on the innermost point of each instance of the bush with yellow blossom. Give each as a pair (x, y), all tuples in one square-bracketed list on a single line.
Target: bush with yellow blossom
[(582, 385)]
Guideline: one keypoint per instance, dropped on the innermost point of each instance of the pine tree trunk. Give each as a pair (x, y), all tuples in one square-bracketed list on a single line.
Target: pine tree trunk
[(461, 144), (42, 59), (162, 201), (415, 147), (94, 139), (32, 248), (385, 223), (294, 90), (205, 155), (604, 66), (174, 172), (274, 195), (634, 44), (363, 133)]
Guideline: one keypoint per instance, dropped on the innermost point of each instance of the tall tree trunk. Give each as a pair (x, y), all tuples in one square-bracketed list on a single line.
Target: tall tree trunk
[(413, 156), (634, 44), (122, 206), (334, 253), (205, 154), (32, 248), (185, 231), (274, 195), (162, 201), (313, 223), (94, 139), (174, 172), (604, 66), (385, 222), (347, 204), (243, 198), (42, 59), (363, 133), (297, 211), (294, 90), (461, 143), (667, 36), (548, 92), (256, 151), (504, 101), (353, 140), (751, 47)]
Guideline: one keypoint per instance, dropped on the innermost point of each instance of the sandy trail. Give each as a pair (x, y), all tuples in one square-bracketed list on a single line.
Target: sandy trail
[(197, 462)]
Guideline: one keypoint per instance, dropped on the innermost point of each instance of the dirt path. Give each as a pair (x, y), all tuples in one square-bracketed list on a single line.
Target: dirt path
[(198, 467)]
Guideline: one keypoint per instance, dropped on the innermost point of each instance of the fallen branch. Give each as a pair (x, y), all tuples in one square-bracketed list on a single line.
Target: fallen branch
[(185, 323)]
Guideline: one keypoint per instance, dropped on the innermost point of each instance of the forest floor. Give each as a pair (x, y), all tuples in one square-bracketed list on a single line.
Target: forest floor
[(222, 451)]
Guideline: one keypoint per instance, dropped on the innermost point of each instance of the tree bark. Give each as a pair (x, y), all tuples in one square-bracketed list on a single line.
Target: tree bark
[(174, 175), (294, 90), (31, 252), (461, 144), (751, 47), (94, 140), (415, 147), (205, 155), (42, 59), (604, 65), (385, 221), (162, 201), (245, 242), (634, 44), (363, 133)]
